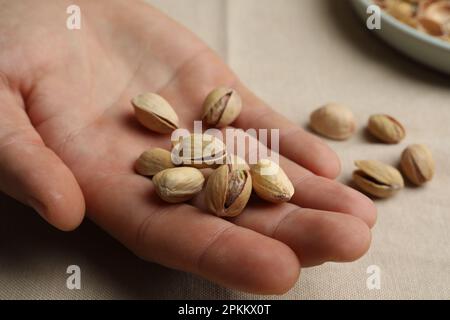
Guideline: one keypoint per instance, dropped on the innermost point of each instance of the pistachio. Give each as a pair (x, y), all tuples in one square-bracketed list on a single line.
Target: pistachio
[(333, 121), (431, 27), (377, 179), (403, 11), (417, 164), (428, 16), (155, 113), (434, 18), (221, 107), (153, 161), (199, 151), (178, 184), (228, 191), (386, 128), (270, 182)]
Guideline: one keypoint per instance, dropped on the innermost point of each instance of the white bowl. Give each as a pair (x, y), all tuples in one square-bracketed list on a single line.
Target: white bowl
[(429, 50)]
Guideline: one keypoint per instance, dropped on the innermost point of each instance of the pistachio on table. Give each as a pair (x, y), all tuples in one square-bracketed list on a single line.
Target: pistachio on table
[(386, 128), (377, 179), (155, 113), (417, 164), (178, 185), (228, 191), (333, 121)]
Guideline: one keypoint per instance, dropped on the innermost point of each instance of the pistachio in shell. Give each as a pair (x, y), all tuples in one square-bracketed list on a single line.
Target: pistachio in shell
[(270, 182), (155, 113), (417, 164), (386, 128), (221, 107), (228, 191), (199, 151), (434, 18), (333, 121), (153, 161), (377, 179), (178, 184)]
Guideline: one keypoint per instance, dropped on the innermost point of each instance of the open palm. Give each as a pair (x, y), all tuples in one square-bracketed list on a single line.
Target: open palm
[(68, 141)]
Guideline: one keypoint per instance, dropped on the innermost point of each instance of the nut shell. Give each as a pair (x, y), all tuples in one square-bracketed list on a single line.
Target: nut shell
[(221, 107), (153, 161), (226, 196), (403, 11), (178, 184), (270, 182), (377, 179), (155, 113), (386, 128), (434, 18), (333, 121), (199, 151), (417, 164)]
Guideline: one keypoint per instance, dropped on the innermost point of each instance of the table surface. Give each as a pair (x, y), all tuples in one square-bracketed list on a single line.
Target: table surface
[(296, 55)]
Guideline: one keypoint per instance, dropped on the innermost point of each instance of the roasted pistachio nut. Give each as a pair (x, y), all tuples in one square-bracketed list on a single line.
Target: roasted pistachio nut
[(333, 121), (434, 18), (377, 179), (153, 161), (386, 128), (228, 191), (403, 11), (270, 182), (199, 151), (221, 107), (155, 113), (417, 164), (178, 184), (428, 16)]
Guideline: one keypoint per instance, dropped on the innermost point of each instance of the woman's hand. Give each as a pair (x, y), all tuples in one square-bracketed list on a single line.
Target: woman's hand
[(68, 140)]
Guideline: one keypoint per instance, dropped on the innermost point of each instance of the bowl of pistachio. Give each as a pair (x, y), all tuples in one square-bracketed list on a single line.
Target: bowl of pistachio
[(417, 28)]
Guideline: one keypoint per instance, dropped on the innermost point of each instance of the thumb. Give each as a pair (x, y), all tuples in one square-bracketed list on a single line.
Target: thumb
[(32, 173)]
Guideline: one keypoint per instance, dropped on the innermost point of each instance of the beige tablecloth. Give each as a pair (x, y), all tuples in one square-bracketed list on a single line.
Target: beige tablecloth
[(296, 54)]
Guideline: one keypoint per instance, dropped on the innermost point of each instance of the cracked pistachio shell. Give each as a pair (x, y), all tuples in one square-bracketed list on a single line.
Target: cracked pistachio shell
[(199, 151), (333, 121), (178, 184), (228, 191), (153, 161), (155, 113), (221, 107), (386, 128), (417, 164), (270, 182), (377, 179)]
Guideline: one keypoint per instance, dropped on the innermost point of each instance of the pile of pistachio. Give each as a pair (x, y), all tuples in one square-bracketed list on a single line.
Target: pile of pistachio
[(179, 175), (378, 179), (429, 16)]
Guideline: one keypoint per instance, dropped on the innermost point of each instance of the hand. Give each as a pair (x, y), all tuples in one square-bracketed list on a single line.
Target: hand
[(68, 139)]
